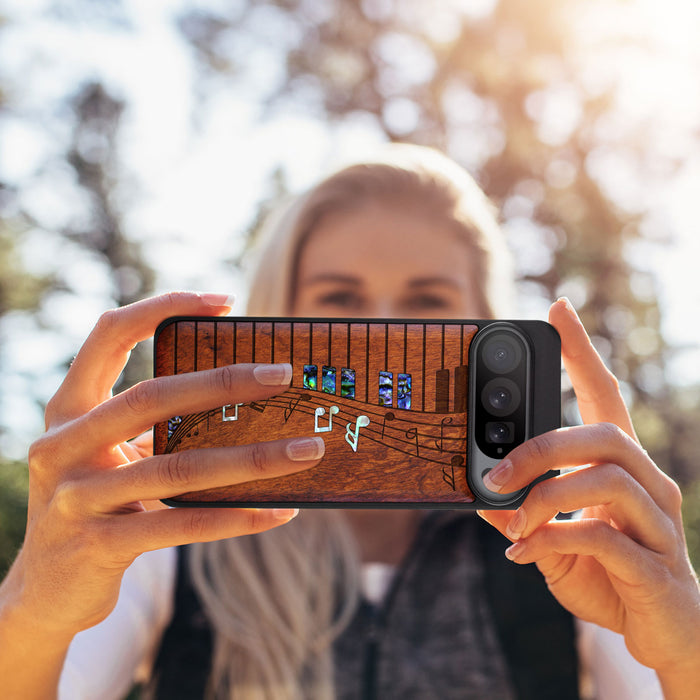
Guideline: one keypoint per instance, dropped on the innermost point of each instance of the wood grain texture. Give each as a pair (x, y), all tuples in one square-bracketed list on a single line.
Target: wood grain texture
[(397, 455)]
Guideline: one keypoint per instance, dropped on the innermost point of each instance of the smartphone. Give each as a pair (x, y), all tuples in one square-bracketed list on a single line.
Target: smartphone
[(413, 413)]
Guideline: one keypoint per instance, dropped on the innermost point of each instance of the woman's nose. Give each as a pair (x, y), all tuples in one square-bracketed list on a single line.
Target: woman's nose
[(383, 307)]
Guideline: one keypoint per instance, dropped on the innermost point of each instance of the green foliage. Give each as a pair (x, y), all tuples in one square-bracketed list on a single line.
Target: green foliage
[(14, 483), (18, 290)]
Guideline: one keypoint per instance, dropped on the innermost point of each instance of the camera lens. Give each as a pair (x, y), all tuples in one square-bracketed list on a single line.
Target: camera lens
[(500, 396), (499, 432), (502, 353)]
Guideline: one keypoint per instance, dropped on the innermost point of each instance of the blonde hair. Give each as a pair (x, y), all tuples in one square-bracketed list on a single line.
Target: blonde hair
[(404, 175), (277, 600)]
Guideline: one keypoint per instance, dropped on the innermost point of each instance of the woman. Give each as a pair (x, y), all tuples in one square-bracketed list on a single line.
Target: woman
[(276, 602)]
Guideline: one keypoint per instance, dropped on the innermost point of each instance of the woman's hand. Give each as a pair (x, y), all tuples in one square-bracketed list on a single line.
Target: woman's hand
[(623, 564), (88, 517)]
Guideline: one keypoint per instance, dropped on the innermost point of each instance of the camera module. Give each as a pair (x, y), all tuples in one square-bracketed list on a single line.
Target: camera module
[(514, 368), (501, 396)]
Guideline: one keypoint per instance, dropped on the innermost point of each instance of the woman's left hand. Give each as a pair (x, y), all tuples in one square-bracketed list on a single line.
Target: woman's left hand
[(623, 564)]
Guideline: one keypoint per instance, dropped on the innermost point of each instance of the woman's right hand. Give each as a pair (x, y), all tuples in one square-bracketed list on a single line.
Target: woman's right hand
[(88, 516)]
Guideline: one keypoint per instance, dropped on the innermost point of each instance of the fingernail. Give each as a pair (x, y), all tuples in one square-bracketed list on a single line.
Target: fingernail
[(569, 306), (218, 299), (515, 550), (304, 449), (498, 476), (273, 375), (285, 514), (517, 525)]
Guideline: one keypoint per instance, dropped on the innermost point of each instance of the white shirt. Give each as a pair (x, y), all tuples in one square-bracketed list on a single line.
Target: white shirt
[(104, 661)]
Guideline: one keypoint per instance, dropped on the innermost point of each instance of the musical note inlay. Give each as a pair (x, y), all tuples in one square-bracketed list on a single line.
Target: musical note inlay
[(225, 417), (352, 435), (320, 411)]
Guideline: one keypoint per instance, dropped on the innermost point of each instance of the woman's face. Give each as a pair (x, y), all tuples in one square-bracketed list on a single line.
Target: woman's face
[(385, 261)]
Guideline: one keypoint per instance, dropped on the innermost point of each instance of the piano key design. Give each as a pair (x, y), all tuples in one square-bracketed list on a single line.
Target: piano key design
[(389, 398)]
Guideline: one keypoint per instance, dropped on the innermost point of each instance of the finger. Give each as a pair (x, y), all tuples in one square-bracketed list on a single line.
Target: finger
[(138, 448), (105, 352), (614, 550), (579, 445), (143, 444), (606, 486), (131, 452), (156, 529), (166, 476), (596, 388), (155, 400), (497, 518)]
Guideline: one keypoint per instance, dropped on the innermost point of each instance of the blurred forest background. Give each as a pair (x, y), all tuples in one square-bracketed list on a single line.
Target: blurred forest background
[(580, 119)]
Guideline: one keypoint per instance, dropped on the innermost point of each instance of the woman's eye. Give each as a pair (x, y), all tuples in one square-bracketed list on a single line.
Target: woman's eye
[(343, 299), (427, 302)]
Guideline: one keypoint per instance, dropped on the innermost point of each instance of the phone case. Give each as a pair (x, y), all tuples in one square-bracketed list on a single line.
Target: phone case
[(391, 399)]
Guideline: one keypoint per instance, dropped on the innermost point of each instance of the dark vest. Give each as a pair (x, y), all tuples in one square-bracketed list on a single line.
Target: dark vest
[(460, 621)]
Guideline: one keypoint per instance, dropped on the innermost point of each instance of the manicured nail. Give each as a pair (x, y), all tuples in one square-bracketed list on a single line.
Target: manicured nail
[(515, 550), (569, 306), (273, 375), (498, 476), (517, 525), (285, 514), (305, 449), (218, 299)]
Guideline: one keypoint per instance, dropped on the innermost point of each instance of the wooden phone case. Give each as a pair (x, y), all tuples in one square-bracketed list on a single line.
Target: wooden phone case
[(389, 397)]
